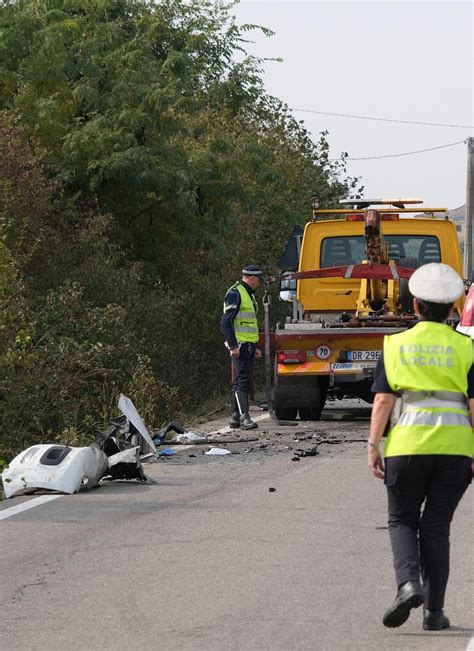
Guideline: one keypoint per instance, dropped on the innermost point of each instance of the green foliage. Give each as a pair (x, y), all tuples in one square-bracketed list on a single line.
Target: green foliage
[(140, 167), (68, 347)]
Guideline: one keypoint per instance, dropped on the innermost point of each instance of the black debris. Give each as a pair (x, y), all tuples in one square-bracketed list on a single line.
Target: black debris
[(172, 426), (122, 435), (310, 452)]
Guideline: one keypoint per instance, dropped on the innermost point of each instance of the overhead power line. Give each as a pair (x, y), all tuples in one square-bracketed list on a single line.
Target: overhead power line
[(405, 153), (366, 117)]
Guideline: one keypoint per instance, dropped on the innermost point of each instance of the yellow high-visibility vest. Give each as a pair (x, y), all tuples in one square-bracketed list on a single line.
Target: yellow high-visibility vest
[(427, 366), (245, 322)]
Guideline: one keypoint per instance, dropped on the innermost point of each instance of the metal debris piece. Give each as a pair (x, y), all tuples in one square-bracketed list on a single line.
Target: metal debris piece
[(310, 452), (226, 441), (128, 409), (126, 434)]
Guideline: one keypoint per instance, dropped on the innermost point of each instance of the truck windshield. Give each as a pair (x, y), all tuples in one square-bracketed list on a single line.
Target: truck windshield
[(410, 250)]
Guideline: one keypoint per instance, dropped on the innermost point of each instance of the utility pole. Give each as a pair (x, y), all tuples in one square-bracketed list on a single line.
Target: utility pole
[(469, 215)]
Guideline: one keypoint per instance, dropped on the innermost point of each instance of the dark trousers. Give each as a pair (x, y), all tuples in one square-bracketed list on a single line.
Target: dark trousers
[(420, 536), (242, 368)]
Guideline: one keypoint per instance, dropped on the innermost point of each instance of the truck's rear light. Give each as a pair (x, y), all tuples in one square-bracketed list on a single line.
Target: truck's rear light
[(355, 217), (291, 356), (388, 217)]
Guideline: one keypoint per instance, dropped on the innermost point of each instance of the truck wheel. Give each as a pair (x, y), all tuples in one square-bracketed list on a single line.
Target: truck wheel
[(284, 413), (283, 393), (320, 393)]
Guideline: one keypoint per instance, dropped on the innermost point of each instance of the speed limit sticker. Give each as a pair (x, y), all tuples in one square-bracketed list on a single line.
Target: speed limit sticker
[(323, 352)]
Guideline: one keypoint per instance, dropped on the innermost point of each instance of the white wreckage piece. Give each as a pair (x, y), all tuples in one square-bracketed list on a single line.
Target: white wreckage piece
[(54, 467), (129, 410), (66, 469)]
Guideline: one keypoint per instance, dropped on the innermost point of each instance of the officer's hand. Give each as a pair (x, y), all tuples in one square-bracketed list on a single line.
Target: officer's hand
[(235, 352), (258, 353), (375, 462)]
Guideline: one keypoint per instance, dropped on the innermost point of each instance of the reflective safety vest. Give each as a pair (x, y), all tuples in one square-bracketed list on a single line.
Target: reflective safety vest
[(245, 322), (427, 366)]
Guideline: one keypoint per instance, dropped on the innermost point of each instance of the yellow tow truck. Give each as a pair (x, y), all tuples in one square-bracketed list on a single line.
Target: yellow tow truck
[(350, 290)]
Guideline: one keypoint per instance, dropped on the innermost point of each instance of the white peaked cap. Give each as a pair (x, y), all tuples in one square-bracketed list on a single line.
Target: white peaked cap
[(437, 283)]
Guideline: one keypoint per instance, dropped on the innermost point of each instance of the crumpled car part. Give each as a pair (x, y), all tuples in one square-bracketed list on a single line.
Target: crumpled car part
[(126, 443), (54, 467), (116, 454)]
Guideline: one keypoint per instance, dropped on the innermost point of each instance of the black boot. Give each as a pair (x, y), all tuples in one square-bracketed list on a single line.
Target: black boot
[(235, 416), (410, 595), (243, 403), (434, 620)]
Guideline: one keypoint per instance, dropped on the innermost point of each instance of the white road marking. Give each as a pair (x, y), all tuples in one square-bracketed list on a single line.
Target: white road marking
[(36, 501), (470, 646)]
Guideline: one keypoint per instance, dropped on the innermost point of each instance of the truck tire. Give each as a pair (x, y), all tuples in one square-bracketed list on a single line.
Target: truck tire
[(283, 390), (321, 391), (294, 392), (284, 413)]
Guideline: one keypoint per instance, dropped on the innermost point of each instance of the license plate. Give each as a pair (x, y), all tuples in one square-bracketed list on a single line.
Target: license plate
[(363, 355)]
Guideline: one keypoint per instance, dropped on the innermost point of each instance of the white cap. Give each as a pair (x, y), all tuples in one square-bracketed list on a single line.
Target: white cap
[(437, 283)]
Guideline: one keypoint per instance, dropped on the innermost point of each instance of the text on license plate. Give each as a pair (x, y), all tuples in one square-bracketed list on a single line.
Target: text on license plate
[(363, 355)]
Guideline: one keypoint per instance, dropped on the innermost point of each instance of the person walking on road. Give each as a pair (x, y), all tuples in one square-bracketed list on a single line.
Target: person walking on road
[(240, 329), (424, 385)]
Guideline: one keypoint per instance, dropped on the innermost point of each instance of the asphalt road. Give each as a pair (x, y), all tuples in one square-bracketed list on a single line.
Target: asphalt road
[(209, 558)]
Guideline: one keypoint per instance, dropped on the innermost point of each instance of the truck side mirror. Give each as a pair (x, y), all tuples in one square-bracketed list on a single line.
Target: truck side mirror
[(287, 285), (287, 289)]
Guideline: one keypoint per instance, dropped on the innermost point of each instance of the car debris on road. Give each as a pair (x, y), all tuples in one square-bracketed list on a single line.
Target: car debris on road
[(117, 453), (217, 452)]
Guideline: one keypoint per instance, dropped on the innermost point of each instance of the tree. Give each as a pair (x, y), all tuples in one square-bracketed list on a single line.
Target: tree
[(153, 165)]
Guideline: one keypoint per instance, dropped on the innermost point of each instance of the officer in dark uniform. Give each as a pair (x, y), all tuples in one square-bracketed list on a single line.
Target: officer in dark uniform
[(240, 329), (424, 385)]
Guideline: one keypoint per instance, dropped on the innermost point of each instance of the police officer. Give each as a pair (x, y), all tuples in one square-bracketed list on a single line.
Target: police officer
[(240, 328), (424, 383)]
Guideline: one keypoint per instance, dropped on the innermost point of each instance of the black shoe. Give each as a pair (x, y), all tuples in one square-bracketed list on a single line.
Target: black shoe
[(242, 400), (247, 423), (410, 595), (434, 620), (234, 421), (235, 416)]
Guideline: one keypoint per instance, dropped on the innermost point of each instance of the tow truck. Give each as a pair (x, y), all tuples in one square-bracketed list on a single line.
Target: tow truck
[(350, 290)]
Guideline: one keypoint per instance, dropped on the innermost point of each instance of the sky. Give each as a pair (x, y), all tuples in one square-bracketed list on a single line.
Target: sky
[(396, 60)]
